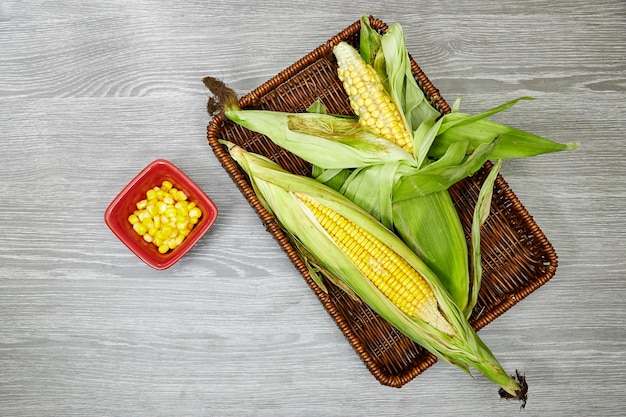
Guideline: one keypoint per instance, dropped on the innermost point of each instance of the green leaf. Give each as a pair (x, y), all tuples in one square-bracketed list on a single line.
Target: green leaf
[(317, 107), (403, 87), (324, 140), (456, 106), (423, 138), (371, 188), (452, 121), (334, 178), (369, 41), (514, 143), (481, 212), (429, 224), (436, 177), (455, 155)]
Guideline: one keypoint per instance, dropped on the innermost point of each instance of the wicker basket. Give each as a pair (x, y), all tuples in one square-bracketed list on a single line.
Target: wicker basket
[(517, 257)]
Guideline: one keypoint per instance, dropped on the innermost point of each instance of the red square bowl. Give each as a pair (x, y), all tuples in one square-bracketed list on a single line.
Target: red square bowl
[(116, 215)]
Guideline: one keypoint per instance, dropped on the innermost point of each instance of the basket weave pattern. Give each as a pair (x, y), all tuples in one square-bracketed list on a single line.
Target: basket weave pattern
[(517, 258)]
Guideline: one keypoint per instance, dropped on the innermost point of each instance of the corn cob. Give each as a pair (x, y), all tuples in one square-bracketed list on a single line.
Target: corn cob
[(336, 233), (368, 98), (389, 272), (320, 137)]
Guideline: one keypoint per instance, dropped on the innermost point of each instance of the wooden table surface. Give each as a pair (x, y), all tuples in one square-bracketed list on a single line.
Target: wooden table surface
[(91, 92)]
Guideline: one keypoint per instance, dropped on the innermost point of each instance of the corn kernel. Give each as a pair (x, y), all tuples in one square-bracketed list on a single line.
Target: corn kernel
[(140, 228), (195, 213), (368, 98), (167, 185), (132, 219), (181, 208), (162, 207), (160, 236), (147, 222), (167, 229), (152, 209), (389, 272), (181, 196), (163, 248)]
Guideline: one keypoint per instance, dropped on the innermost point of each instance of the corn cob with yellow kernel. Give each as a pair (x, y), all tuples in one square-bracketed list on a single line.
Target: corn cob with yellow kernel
[(361, 255), (391, 274), (368, 98)]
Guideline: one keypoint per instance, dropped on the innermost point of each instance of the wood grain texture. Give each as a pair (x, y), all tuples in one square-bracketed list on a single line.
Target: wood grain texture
[(90, 93)]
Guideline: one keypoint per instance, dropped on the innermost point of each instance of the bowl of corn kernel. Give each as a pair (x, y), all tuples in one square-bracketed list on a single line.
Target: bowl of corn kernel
[(161, 214)]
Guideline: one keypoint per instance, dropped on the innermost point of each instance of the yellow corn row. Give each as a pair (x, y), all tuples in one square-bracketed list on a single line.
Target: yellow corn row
[(387, 270), (368, 98)]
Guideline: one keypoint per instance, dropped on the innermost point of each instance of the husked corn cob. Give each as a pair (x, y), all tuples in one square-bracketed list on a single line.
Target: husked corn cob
[(387, 270), (368, 98)]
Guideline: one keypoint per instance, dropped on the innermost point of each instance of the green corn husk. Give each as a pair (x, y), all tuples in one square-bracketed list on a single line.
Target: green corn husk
[(321, 137), (334, 144), (390, 48), (476, 130), (370, 43), (431, 227), (481, 212), (277, 188)]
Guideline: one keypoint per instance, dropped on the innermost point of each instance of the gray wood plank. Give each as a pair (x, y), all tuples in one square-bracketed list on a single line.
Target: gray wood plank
[(90, 93)]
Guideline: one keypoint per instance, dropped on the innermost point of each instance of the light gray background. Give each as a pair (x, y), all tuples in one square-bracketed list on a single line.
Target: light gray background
[(91, 92)]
